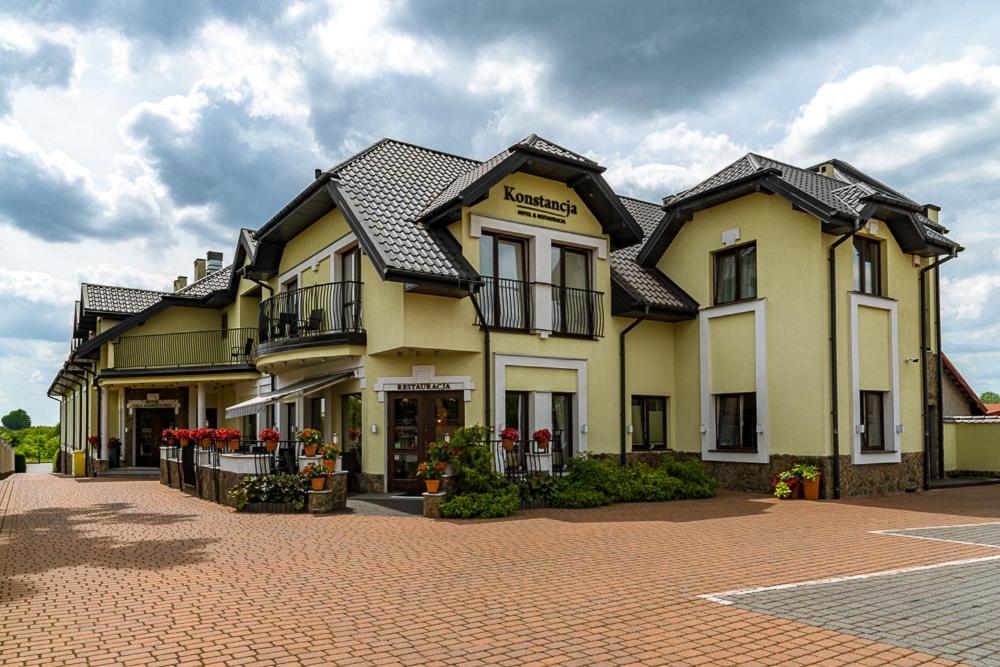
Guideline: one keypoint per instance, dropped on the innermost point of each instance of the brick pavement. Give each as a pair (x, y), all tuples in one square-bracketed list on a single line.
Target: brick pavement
[(134, 573)]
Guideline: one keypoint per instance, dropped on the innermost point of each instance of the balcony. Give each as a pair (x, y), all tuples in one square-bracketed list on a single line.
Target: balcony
[(194, 349), (510, 305), (327, 314)]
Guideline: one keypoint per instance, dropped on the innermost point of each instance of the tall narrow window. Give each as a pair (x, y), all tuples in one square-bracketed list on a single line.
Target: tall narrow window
[(516, 412), (649, 422), (350, 276), (867, 266), (562, 429), (505, 293), (573, 305), (873, 420), (736, 422), (736, 274)]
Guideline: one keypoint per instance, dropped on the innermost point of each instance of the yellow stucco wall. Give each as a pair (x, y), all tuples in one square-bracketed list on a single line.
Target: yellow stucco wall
[(972, 447), (874, 333), (523, 378), (180, 319), (734, 357)]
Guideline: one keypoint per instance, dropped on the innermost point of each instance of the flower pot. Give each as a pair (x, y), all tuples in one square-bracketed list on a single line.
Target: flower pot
[(508, 445), (172, 442), (309, 450), (543, 445), (432, 485), (234, 445), (270, 445), (318, 483), (206, 442), (810, 488), (330, 465), (220, 444), (185, 442)]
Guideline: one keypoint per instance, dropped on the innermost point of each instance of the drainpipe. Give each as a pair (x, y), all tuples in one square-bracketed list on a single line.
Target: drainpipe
[(924, 375), (940, 368), (487, 412), (834, 388), (621, 378)]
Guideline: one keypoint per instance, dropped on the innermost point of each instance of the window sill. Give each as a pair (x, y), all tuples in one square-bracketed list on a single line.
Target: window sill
[(733, 451), (874, 296), (879, 451)]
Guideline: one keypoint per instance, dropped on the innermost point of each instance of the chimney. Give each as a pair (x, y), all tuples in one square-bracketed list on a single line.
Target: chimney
[(199, 269), (214, 261), (317, 173), (933, 212), (180, 283)]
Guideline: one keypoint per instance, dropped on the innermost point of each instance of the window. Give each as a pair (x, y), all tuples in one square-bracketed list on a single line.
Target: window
[(516, 412), (562, 429), (867, 266), (504, 297), (573, 304), (736, 274), (317, 414), (736, 422), (225, 324), (649, 422), (350, 276), (350, 416), (873, 421)]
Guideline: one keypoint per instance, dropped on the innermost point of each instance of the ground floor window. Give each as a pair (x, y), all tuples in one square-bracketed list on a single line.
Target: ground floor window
[(873, 421), (649, 422), (516, 412), (736, 422), (350, 417), (317, 414), (248, 427)]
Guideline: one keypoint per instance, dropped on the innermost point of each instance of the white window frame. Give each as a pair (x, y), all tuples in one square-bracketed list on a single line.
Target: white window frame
[(893, 427), (708, 421)]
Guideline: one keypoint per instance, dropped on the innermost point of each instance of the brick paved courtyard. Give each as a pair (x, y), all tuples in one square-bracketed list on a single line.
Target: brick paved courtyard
[(131, 572)]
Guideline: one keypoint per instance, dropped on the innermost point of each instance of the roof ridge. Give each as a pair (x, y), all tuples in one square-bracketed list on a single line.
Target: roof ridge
[(683, 193), (803, 169), (136, 289), (202, 279), (430, 150), (532, 138)]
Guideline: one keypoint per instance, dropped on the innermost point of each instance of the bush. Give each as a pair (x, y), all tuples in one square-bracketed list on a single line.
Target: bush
[(291, 489), (20, 464), (490, 505), (569, 494), (55, 461)]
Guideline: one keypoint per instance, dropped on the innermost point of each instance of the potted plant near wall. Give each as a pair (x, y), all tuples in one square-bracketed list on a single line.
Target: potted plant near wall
[(310, 438), (168, 435), (231, 436), (183, 436), (331, 457), (809, 476), (316, 474), (508, 436), (542, 436), (270, 438), (443, 451), (203, 436), (786, 485), (431, 473)]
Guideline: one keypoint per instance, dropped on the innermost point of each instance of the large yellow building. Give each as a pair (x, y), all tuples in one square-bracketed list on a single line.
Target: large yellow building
[(768, 314)]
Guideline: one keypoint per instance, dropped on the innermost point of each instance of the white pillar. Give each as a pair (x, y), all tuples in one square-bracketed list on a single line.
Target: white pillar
[(201, 405), (300, 413), (121, 419), (104, 421), (328, 415)]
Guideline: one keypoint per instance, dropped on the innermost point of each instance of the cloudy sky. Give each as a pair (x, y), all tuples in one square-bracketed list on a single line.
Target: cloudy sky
[(136, 136)]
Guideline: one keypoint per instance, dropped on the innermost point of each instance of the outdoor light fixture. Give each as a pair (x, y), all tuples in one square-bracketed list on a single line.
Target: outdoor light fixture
[(374, 428)]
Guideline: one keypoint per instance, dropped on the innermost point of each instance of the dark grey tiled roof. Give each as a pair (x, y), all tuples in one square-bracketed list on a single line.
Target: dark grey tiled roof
[(213, 282), (648, 283), (124, 300), (464, 181), (844, 193), (545, 146), (388, 185)]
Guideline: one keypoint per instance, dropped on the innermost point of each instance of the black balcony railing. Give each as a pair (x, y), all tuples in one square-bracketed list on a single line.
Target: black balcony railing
[(506, 303), (577, 312), (223, 347), (319, 310)]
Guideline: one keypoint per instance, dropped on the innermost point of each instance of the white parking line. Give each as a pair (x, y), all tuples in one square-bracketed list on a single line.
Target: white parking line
[(720, 598)]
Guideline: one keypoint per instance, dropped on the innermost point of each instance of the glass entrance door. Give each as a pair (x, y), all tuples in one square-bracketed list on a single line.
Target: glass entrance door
[(415, 420), (149, 426)]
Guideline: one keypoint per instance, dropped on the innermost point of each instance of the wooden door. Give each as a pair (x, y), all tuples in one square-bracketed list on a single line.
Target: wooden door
[(416, 419), (150, 425)]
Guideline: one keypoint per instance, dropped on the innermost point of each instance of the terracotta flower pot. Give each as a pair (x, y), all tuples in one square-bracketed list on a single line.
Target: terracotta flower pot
[(310, 450), (432, 485), (543, 444), (508, 445), (206, 442), (330, 466), (318, 483), (185, 442), (270, 445), (234, 445), (810, 488), (220, 444)]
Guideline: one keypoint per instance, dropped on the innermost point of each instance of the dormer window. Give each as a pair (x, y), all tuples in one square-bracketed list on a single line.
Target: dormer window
[(867, 266)]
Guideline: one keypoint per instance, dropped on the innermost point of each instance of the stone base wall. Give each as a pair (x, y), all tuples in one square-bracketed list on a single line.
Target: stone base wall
[(371, 482), (855, 480), (206, 483), (227, 480), (174, 474), (98, 466)]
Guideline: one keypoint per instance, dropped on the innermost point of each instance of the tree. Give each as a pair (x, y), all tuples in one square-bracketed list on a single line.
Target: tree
[(16, 420), (989, 397)]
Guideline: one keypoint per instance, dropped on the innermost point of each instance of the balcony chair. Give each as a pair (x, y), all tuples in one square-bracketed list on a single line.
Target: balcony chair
[(314, 322), (243, 353)]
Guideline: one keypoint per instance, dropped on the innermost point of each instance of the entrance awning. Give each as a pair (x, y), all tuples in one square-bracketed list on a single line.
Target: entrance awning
[(304, 388)]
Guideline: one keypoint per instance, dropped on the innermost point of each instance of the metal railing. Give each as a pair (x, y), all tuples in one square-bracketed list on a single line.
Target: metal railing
[(222, 347), (524, 461), (507, 303), (319, 310), (577, 312)]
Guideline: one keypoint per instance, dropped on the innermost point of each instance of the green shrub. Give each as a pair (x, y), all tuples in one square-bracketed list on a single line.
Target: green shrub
[(569, 494), (489, 505), (291, 489), (20, 463), (55, 461)]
